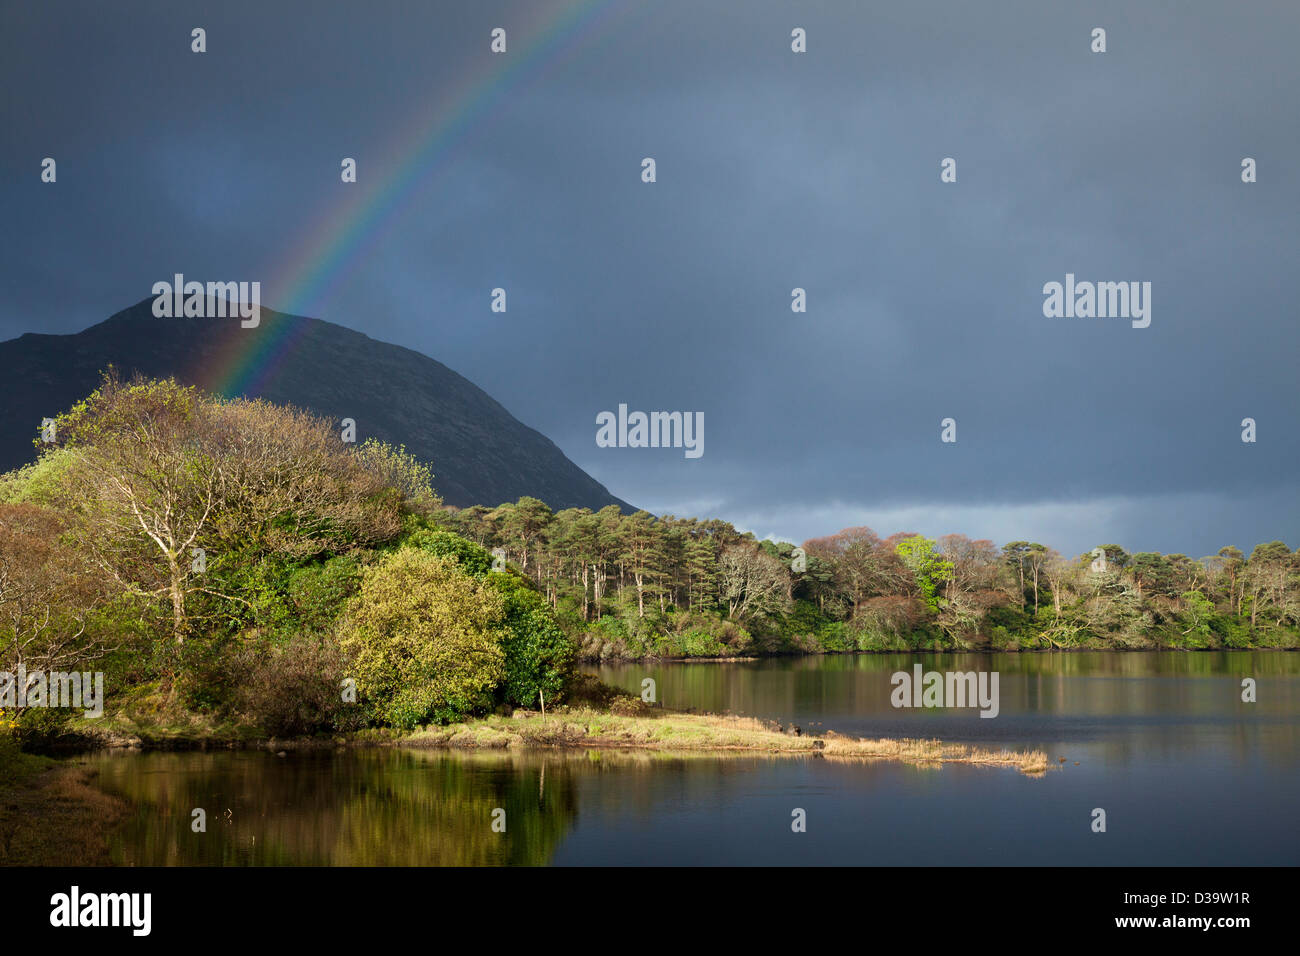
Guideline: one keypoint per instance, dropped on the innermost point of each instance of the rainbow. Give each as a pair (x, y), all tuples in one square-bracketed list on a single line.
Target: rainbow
[(348, 232)]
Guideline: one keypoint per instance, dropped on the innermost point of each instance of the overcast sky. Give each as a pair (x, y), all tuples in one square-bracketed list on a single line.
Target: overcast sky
[(775, 170)]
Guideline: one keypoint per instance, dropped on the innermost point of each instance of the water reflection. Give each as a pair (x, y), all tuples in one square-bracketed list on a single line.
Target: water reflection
[(1131, 706), (351, 808), (1188, 775)]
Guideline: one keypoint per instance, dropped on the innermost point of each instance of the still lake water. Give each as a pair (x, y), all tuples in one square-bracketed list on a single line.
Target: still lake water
[(1187, 773)]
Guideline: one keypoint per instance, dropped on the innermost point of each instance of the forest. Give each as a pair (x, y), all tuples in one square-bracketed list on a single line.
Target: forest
[(637, 585), (236, 563)]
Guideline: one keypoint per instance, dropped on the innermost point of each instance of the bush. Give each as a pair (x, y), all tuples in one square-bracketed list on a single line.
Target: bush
[(701, 634), (700, 643), (36, 727), (539, 657), (36, 483), (1233, 633), (890, 623), (319, 592), (424, 640), (296, 688), (473, 560), (835, 636)]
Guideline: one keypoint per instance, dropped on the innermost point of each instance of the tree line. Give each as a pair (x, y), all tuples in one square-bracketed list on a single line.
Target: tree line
[(637, 584)]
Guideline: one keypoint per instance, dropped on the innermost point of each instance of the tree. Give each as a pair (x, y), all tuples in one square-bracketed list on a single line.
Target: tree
[(1037, 556), (136, 478), (581, 542), (642, 549), (1116, 557), (1058, 571), (1233, 562), (425, 641), (539, 656), (702, 572), (971, 584), (607, 543), (1199, 610), (859, 561), (524, 524), (48, 592), (1270, 575), (160, 476), (1015, 552), (928, 568), (1151, 570), (752, 582)]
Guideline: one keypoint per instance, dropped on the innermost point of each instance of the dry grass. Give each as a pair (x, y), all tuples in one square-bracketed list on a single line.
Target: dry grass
[(933, 751), (56, 817), (670, 732)]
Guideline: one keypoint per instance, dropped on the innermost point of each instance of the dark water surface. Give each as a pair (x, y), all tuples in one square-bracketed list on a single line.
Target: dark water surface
[(1186, 772)]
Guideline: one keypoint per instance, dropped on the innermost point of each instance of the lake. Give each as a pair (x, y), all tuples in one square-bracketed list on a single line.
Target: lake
[(1186, 772)]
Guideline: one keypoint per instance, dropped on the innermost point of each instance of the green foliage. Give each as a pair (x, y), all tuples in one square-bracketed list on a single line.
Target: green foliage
[(37, 483), (539, 656), (1232, 632), (472, 559), (807, 629), (705, 634), (929, 569), (36, 727), (425, 640), (401, 470), (835, 637), (317, 593), (700, 643), (1200, 610)]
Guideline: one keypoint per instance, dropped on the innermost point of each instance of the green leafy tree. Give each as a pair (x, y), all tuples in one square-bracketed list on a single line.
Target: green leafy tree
[(425, 641), (928, 567), (469, 557), (539, 656)]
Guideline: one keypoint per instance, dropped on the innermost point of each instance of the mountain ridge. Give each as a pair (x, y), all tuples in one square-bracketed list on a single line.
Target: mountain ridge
[(478, 451)]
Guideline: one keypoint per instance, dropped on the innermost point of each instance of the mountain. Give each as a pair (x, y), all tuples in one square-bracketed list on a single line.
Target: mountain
[(478, 451)]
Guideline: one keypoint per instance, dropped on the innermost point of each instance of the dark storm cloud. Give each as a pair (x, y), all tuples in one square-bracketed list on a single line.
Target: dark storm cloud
[(775, 171)]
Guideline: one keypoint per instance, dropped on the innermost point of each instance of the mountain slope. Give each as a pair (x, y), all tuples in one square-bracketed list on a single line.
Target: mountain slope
[(479, 452)]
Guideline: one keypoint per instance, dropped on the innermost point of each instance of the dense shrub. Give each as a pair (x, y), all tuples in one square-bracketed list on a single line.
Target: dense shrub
[(424, 640), (473, 560), (295, 688), (702, 634), (835, 636), (317, 593), (539, 656)]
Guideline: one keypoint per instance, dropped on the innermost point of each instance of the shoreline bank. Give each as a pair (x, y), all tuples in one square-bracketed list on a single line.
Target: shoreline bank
[(632, 726)]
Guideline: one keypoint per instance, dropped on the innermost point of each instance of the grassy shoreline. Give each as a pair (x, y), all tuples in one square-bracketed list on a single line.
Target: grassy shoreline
[(52, 814), (626, 725), (673, 732)]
